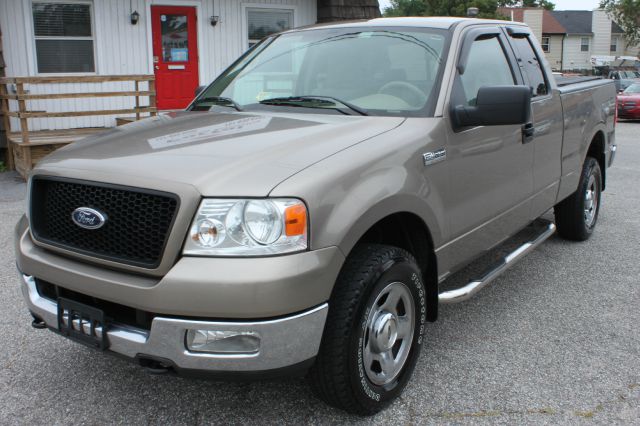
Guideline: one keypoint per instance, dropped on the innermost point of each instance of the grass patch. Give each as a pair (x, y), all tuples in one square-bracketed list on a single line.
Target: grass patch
[(3, 168), (586, 414)]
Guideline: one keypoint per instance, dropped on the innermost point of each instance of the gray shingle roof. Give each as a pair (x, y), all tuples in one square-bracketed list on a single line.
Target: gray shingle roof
[(616, 29), (574, 21)]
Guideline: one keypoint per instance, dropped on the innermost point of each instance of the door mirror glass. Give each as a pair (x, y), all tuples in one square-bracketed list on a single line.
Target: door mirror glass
[(494, 106)]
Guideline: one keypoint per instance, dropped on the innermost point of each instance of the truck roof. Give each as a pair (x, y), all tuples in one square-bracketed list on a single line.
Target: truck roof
[(441, 22)]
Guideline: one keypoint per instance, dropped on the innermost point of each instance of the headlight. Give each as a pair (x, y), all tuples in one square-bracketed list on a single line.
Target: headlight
[(224, 227)]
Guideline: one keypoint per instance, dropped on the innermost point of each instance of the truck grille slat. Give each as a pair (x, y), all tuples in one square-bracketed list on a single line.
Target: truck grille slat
[(136, 230)]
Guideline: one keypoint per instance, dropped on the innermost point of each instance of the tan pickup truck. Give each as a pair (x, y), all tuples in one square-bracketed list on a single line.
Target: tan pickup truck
[(301, 215)]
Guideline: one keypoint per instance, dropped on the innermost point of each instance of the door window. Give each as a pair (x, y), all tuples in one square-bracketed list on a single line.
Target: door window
[(530, 64), (487, 65), (175, 40)]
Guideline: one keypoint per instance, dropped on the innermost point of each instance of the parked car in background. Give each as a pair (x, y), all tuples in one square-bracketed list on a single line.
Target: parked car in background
[(629, 102), (624, 78)]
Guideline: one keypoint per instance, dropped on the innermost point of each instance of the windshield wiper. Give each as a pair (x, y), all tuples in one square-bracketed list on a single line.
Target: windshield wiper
[(312, 102), (219, 100)]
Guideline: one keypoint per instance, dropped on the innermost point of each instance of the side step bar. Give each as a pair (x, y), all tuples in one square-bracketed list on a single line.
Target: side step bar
[(469, 290)]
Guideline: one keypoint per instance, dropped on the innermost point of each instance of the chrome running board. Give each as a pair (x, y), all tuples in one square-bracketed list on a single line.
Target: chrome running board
[(464, 293)]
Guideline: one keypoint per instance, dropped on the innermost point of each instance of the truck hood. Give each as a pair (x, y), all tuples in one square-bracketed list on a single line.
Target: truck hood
[(220, 154)]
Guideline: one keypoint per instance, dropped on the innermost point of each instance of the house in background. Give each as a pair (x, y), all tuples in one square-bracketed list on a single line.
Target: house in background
[(574, 39), (184, 43)]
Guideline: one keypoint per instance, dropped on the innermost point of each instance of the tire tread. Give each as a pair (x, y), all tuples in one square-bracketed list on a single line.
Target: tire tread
[(329, 377)]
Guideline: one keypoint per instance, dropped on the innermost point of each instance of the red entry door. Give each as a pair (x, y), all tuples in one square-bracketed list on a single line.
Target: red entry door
[(175, 55)]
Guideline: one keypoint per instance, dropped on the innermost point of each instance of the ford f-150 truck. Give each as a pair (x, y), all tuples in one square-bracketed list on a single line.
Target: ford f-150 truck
[(303, 212)]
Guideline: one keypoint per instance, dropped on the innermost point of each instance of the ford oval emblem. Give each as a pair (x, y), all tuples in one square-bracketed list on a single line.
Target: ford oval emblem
[(88, 218)]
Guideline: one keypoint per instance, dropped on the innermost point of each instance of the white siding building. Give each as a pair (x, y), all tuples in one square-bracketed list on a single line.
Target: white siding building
[(189, 45), (574, 39)]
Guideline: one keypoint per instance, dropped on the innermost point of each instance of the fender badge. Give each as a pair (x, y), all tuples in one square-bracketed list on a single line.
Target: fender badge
[(433, 157)]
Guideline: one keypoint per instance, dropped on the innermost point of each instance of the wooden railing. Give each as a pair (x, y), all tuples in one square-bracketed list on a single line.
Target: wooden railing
[(26, 147)]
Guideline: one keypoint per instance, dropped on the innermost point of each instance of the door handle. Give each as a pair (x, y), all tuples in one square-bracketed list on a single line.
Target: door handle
[(157, 67), (528, 132)]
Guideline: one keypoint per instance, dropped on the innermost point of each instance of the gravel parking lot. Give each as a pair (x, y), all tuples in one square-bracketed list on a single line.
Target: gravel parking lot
[(554, 340)]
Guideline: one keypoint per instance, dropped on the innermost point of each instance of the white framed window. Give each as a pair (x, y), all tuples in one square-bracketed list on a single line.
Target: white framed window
[(584, 44), (545, 44), (262, 22), (614, 44), (64, 37)]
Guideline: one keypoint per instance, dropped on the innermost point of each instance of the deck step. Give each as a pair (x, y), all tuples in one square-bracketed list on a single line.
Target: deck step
[(543, 230)]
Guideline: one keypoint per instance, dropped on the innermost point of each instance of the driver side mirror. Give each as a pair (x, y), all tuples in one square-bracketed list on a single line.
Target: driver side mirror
[(495, 106)]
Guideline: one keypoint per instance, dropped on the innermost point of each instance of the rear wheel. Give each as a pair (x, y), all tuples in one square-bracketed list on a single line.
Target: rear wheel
[(576, 216), (373, 332)]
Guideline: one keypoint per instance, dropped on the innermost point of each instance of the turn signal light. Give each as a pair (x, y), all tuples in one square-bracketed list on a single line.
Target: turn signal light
[(295, 220)]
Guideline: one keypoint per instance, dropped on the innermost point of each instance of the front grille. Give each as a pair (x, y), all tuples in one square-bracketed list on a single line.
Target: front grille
[(138, 221)]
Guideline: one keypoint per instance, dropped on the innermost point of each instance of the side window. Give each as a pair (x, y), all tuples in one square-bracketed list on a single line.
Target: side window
[(487, 65), (530, 65)]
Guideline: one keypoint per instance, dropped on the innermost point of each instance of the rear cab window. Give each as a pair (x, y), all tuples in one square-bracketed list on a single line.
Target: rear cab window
[(530, 65)]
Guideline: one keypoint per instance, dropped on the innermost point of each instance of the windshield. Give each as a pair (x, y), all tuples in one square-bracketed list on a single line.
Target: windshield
[(634, 88), (377, 71), (629, 74)]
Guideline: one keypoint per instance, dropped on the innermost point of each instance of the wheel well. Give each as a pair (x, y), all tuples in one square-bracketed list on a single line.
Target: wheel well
[(409, 232), (596, 150)]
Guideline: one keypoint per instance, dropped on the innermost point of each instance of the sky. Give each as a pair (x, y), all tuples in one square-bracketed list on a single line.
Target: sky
[(560, 4)]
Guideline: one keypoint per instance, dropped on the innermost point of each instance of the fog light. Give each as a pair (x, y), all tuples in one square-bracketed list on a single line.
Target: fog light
[(224, 342)]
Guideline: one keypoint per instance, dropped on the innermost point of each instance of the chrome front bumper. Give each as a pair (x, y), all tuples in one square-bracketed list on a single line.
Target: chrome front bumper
[(283, 342)]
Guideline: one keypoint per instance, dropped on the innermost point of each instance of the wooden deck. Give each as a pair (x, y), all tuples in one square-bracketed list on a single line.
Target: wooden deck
[(49, 137), (42, 143), (27, 147)]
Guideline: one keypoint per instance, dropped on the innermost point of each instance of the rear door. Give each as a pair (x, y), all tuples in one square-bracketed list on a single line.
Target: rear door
[(546, 121), (175, 55), (490, 167)]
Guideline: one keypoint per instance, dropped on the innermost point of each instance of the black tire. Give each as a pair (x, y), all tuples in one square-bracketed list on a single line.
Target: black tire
[(339, 376), (572, 221)]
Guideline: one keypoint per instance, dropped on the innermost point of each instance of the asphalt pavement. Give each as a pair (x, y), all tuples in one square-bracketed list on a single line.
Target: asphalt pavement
[(554, 340)]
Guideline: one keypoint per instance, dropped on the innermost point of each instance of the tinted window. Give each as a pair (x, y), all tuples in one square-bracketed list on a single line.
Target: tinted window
[(487, 65), (530, 65)]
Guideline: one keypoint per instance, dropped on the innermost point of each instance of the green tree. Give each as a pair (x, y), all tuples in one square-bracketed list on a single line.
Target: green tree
[(627, 14), (405, 8), (545, 4), (486, 8)]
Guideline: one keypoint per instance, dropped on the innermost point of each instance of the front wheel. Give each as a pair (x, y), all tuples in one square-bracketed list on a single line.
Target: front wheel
[(576, 216), (374, 330)]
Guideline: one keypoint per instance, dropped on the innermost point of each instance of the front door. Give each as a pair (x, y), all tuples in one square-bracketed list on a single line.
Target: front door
[(175, 55), (491, 167)]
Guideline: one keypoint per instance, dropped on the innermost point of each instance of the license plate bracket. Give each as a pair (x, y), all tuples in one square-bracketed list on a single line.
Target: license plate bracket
[(82, 323)]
